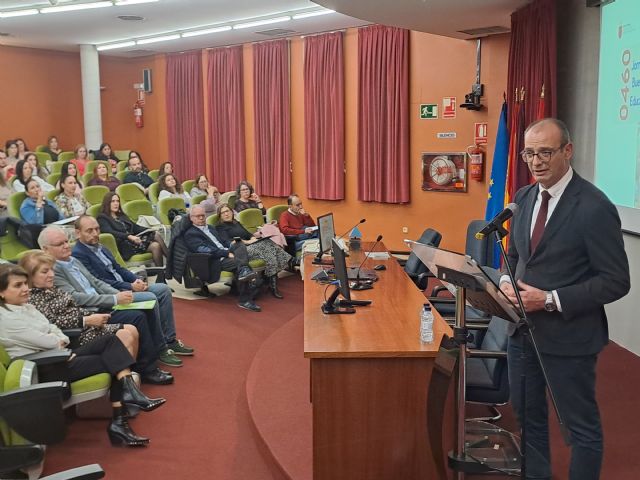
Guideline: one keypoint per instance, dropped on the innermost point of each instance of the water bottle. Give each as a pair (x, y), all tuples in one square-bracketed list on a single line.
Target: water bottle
[(426, 324)]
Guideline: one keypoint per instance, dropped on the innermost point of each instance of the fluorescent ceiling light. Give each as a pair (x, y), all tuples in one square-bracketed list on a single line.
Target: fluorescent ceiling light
[(101, 48), (261, 22), (76, 6), (19, 13), (132, 2), (312, 14), (163, 38), (206, 31)]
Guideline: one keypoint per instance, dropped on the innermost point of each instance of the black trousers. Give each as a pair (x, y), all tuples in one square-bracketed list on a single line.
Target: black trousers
[(105, 354), (240, 260)]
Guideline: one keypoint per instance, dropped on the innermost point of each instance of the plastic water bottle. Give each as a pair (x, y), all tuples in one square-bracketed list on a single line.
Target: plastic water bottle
[(426, 324)]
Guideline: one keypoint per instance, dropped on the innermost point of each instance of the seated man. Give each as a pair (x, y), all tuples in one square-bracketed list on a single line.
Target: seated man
[(136, 175), (203, 238), (89, 292), (295, 222), (101, 264)]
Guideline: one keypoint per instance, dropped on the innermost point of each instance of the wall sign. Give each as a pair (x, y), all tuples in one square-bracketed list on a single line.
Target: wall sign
[(449, 107), (428, 111), (480, 135), (446, 135)]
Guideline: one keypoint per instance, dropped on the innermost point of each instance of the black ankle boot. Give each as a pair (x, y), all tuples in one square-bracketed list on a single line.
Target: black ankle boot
[(131, 395), (273, 286), (121, 434)]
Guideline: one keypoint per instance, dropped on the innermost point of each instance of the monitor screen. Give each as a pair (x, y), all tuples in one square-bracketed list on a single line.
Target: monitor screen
[(326, 232), (340, 269)]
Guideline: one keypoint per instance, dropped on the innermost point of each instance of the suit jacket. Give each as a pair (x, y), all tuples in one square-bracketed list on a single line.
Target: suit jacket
[(198, 242), (581, 256), (99, 270), (105, 298)]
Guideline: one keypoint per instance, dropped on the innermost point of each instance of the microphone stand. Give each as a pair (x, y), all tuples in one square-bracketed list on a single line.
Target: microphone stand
[(526, 330), (358, 285)]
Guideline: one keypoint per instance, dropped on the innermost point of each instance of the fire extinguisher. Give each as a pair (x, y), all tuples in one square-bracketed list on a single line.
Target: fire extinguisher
[(476, 155), (137, 113)]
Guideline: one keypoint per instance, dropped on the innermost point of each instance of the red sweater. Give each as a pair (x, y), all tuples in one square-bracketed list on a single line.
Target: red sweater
[(291, 224)]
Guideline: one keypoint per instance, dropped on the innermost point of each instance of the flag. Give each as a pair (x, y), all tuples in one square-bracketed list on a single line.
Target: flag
[(517, 170), (541, 106), (496, 195)]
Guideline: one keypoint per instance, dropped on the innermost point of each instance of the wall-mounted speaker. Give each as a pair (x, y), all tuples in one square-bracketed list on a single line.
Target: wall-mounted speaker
[(146, 80)]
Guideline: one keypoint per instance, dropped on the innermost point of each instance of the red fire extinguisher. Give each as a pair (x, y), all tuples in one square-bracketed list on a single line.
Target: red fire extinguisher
[(137, 113), (476, 156)]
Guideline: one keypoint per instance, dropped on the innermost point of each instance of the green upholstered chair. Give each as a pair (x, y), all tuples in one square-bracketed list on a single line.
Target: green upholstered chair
[(53, 178), (52, 194), (10, 246), (154, 174), (212, 219), (229, 198), (122, 165), (14, 202), (66, 157), (122, 155), (40, 148), (120, 175), (86, 178), (128, 192), (251, 219), (56, 167), (198, 198), (135, 208), (167, 204), (154, 191), (94, 193), (108, 241), (187, 185), (43, 158), (94, 210), (273, 213)]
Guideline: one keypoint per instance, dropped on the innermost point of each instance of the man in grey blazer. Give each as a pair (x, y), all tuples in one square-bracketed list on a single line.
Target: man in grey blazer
[(89, 292), (568, 258)]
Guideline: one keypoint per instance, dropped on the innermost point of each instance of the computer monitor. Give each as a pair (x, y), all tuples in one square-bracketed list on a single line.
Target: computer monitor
[(326, 232), (340, 269)]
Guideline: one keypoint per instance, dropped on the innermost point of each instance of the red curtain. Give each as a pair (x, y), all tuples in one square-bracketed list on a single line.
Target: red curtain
[(185, 116), (383, 115), (226, 117), (272, 118), (324, 116), (532, 72)]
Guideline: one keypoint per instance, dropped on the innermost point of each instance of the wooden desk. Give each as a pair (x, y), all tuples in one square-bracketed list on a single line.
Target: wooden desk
[(369, 378)]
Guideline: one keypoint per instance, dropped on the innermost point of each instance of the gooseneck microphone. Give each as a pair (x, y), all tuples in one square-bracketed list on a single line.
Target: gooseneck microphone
[(367, 256), (359, 223), (497, 221)]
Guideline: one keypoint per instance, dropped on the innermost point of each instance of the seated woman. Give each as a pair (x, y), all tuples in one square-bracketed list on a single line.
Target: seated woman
[(67, 169), (202, 187), (5, 190), (169, 186), (81, 158), (11, 149), (114, 221), (24, 173), (22, 148), (69, 201), (32, 158), (134, 154), (24, 330), (274, 256), (52, 148), (101, 177), (165, 168), (37, 209), (105, 153), (246, 197)]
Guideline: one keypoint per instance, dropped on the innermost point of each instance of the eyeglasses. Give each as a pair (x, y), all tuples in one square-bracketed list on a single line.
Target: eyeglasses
[(543, 155)]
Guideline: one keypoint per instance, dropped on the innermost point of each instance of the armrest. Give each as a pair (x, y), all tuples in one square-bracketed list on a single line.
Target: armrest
[(475, 353), (72, 332), (88, 472), (20, 456), (49, 357)]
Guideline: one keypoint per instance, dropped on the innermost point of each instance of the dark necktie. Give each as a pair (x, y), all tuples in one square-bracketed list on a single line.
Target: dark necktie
[(538, 229)]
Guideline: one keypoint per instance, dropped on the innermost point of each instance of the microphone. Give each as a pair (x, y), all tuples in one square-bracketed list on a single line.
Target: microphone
[(362, 287), (497, 221), (359, 223)]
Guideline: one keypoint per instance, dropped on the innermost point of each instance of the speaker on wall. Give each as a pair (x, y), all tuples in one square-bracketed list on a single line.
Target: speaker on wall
[(146, 79)]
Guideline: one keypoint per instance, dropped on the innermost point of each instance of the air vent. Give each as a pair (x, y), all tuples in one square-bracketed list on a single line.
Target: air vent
[(131, 18), (483, 31), (277, 32), (139, 53), (5, 34)]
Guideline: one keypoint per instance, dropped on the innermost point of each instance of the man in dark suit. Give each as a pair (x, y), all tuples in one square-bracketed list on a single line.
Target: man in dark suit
[(568, 258), (203, 238)]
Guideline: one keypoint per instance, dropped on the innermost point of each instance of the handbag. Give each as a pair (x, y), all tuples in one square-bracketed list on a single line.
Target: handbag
[(151, 222)]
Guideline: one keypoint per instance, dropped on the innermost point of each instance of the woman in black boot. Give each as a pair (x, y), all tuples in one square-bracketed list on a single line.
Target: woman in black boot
[(275, 257), (24, 330)]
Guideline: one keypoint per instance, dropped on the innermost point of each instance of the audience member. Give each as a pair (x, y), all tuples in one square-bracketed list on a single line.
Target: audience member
[(295, 222), (81, 158), (32, 158), (135, 175), (24, 330), (101, 177), (5, 191), (101, 263), (52, 148), (170, 187), (233, 256), (246, 197), (129, 237), (11, 147), (89, 292), (166, 168), (202, 187), (22, 148), (69, 201), (105, 153), (36, 208), (276, 258), (24, 173), (134, 154), (67, 169)]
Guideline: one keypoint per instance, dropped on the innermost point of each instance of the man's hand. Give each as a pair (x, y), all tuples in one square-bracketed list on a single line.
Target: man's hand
[(139, 286), (230, 255), (308, 230), (124, 298), (302, 211), (533, 298), (96, 320)]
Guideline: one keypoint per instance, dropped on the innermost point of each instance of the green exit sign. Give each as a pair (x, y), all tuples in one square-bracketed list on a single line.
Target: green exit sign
[(428, 111)]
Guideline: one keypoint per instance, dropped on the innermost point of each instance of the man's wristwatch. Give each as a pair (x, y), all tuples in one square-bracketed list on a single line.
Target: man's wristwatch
[(549, 303)]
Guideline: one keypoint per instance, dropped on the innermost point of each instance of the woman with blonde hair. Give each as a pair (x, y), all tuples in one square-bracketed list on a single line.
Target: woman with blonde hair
[(81, 158)]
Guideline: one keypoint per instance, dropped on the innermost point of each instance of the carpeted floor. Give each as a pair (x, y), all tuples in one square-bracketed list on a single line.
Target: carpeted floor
[(204, 430)]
